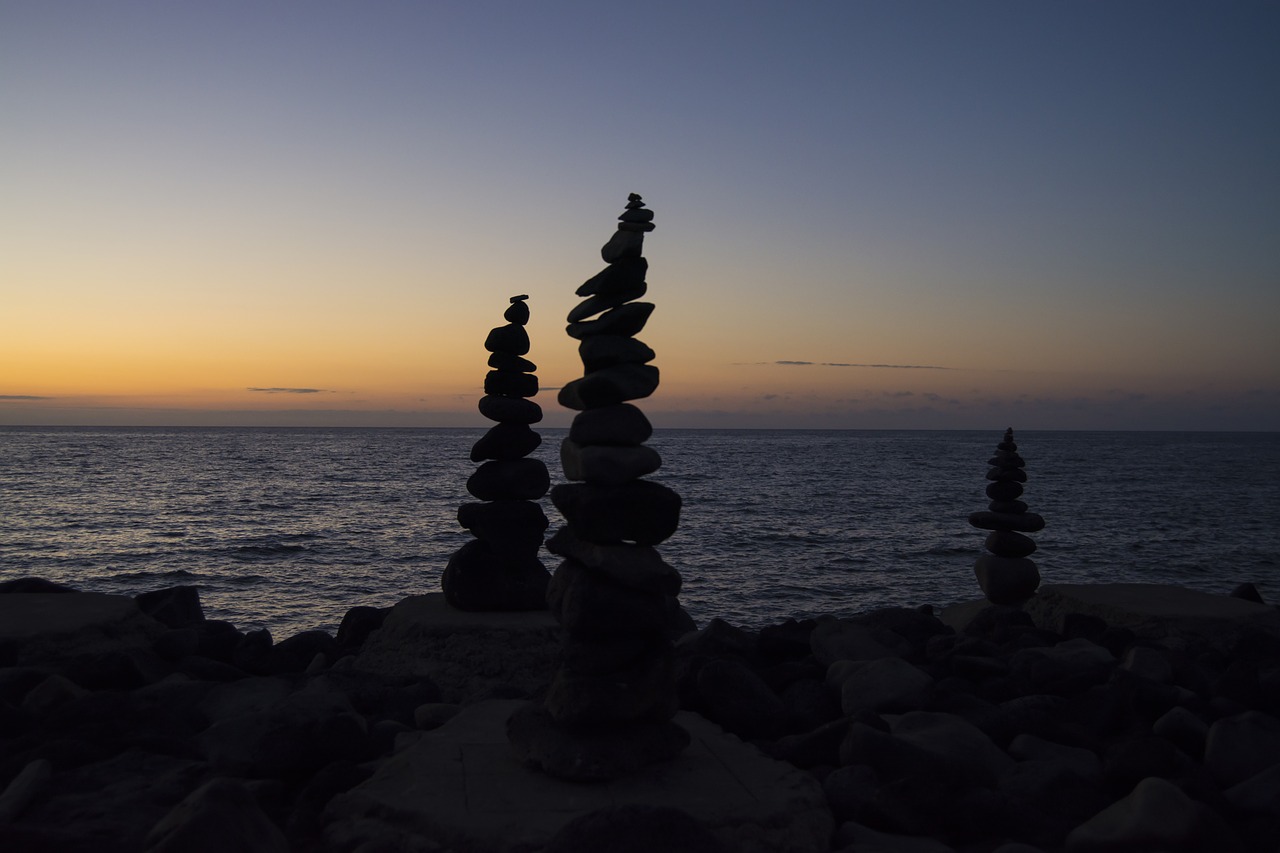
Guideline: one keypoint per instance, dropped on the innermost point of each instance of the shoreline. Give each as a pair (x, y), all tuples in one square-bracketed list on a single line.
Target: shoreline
[(1091, 702)]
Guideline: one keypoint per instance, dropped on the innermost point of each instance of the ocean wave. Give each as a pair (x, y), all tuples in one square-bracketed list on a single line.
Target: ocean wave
[(269, 549), (143, 575)]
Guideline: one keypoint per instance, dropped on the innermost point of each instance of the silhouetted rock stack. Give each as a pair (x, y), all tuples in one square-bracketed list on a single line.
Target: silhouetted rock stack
[(1006, 575), (609, 708), (500, 569)]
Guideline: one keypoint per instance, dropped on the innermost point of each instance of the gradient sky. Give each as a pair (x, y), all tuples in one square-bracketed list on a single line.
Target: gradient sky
[(870, 214)]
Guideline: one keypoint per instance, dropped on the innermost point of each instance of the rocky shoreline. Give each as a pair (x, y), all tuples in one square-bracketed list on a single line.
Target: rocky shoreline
[(1089, 719)]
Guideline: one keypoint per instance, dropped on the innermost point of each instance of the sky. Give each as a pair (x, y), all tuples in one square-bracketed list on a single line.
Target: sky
[(881, 214)]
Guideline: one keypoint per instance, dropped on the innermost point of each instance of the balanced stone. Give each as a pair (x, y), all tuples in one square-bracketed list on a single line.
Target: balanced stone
[(1027, 522), (605, 301), (591, 753), (1006, 580), (636, 566), (507, 361), (587, 604), (1005, 573), (642, 512), (506, 525), (510, 440), (610, 464), (625, 320), (609, 386), (1010, 544), (510, 479), (506, 383), (619, 424), (1004, 491), (479, 577), (598, 351), (511, 338), (636, 215), (518, 312), (623, 275), (637, 691), (623, 244), (510, 409)]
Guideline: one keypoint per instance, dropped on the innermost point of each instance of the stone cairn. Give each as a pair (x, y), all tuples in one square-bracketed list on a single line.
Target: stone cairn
[(1005, 573), (500, 569), (608, 710)]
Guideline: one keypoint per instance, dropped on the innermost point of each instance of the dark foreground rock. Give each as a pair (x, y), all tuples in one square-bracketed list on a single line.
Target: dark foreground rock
[(1079, 722)]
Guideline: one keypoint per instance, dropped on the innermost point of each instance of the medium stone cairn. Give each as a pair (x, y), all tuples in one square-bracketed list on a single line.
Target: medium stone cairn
[(500, 569), (1005, 573), (608, 710)]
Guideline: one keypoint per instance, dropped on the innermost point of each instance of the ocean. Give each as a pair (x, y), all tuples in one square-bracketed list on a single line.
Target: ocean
[(286, 528)]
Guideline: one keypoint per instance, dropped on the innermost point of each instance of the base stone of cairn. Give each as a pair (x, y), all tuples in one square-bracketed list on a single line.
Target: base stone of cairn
[(1005, 572), (499, 570), (608, 710)]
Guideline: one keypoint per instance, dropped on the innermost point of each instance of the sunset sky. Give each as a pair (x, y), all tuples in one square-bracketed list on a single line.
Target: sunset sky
[(889, 214)]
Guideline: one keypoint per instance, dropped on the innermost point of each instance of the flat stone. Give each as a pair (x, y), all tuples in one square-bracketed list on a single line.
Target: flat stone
[(508, 383), (506, 525), (465, 787), (636, 226), (1007, 475), (1027, 522), (511, 338), (1007, 543), (625, 320), (1004, 491), (507, 361), (637, 566), (623, 244), (506, 441), (463, 652), (608, 464), (1006, 580), (1170, 614), (50, 626), (622, 275), (510, 479), (588, 604), (599, 351), (637, 215), (510, 410), (1156, 815), (619, 424), (593, 305), (640, 512), (609, 386)]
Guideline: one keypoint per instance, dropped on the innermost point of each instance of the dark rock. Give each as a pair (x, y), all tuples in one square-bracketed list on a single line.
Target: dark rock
[(507, 383), (207, 669), (1248, 592), (176, 607), (641, 512), (738, 700), (605, 301), (622, 424), (219, 816), (601, 351), (885, 685), (177, 644), (514, 410), (35, 586), (1004, 491), (809, 703), (218, 639), (718, 639), (639, 567), (511, 338), (506, 441), (1127, 762), (293, 654), (607, 464), (1156, 815), (817, 747), (253, 650), (510, 479), (479, 578), (634, 829), (518, 312), (849, 790), (621, 275), (787, 640), (1242, 746), (357, 624), (1027, 522), (609, 386), (588, 604), (625, 320), (623, 245), (591, 754), (1007, 543), (640, 689), (514, 363), (508, 527)]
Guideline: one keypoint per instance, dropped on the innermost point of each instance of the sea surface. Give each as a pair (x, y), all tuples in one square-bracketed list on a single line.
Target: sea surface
[(288, 528)]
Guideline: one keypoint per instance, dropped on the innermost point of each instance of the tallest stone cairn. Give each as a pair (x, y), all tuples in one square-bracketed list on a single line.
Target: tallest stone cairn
[(608, 710)]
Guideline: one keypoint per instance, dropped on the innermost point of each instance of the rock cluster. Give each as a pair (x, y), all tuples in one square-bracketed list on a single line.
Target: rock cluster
[(1006, 573), (500, 569), (608, 709)]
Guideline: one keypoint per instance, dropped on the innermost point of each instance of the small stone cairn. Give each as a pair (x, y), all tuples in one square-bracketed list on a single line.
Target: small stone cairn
[(500, 569), (1005, 574), (608, 710)]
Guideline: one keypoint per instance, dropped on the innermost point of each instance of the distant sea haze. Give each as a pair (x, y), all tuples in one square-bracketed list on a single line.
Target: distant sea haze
[(286, 528)]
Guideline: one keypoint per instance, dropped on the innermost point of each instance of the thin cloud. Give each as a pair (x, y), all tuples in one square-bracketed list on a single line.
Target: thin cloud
[(289, 390), (22, 397), (854, 364)]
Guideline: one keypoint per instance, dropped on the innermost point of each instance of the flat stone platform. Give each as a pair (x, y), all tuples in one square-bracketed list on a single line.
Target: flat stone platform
[(462, 786)]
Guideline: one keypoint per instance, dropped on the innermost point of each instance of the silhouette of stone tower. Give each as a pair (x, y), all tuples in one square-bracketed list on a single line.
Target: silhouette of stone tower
[(500, 569), (1005, 573), (608, 710)]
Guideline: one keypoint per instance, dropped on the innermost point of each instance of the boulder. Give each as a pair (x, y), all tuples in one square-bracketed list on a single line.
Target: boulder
[(607, 464), (506, 441), (885, 685), (1241, 746), (641, 512), (510, 479), (621, 424), (219, 816), (621, 275), (177, 606), (735, 698), (516, 410), (609, 386), (1156, 815)]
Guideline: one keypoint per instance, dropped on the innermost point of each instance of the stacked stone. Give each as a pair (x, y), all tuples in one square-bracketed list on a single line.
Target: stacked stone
[(1005, 573), (500, 569), (608, 709)]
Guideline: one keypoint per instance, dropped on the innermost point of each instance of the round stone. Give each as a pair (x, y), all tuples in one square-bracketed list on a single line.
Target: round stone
[(518, 313), (1006, 580), (598, 351), (1026, 522), (641, 511), (478, 578), (510, 479), (507, 361), (609, 386), (1004, 490), (513, 410), (506, 441), (1007, 543), (621, 424), (623, 244), (512, 338), (610, 464), (506, 383)]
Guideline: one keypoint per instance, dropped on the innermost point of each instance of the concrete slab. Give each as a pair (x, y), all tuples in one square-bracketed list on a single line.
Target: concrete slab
[(462, 786), (464, 653)]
